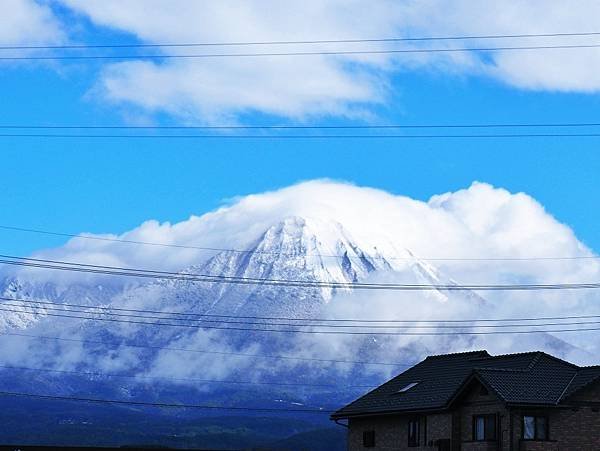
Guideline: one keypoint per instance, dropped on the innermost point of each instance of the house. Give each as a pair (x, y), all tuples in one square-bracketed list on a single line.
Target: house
[(475, 401)]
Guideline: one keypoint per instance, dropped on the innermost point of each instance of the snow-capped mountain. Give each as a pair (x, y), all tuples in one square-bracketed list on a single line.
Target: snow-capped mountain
[(295, 248), (255, 240)]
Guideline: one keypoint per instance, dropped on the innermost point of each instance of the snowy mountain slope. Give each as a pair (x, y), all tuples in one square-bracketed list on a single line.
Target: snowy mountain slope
[(291, 248), (294, 248), (297, 249)]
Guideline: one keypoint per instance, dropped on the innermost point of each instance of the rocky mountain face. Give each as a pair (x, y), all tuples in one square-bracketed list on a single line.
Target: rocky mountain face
[(294, 248)]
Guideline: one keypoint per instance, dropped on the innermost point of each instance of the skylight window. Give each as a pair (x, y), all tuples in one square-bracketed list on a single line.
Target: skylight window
[(408, 387)]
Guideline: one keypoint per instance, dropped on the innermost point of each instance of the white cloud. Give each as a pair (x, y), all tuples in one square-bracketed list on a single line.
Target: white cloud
[(221, 89), (27, 22), (225, 89), (554, 70), (217, 91), (213, 90), (475, 222)]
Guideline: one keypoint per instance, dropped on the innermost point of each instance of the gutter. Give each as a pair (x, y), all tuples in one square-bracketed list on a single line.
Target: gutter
[(337, 421), (341, 416)]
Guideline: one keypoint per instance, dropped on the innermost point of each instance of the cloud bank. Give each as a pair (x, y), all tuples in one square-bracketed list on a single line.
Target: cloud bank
[(227, 89), (475, 223), (480, 221)]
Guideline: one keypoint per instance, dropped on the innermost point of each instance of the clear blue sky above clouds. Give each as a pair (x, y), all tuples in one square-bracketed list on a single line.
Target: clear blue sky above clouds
[(112, 185)]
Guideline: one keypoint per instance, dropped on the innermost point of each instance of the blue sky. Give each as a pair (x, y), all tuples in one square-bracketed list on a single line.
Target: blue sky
[(111, 185)]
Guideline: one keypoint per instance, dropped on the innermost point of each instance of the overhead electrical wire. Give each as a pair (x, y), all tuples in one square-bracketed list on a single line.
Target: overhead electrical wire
[(40, 307), (162, 404), (200, 324), (305, 53), (209, 278), (302, 42), (261, 252), (299, 127), (304, 136), (180, 379), (304, 319), (296, 330)]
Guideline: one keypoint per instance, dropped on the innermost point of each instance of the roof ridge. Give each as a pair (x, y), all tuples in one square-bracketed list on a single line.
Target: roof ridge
[(499, 356), (567, 387), (537, 356), (456, 354), (506, 370), (535, 360), (557, 359)]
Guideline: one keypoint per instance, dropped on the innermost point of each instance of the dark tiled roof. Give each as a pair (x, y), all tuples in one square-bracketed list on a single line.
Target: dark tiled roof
[(585, 376), (543, 382), (527, 378)]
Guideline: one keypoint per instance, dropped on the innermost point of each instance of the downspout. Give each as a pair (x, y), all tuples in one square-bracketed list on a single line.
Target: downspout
[(499, 431), (510, 428)]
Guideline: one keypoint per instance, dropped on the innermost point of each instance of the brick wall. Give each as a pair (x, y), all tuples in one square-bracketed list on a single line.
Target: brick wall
[(568, 429), (439, 427), (388, 432), (479, 446), (540, 446), (473, 403), (391, 432), (576, 428)]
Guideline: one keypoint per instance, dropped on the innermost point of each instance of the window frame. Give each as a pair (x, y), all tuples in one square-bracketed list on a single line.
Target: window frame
[(417, 442), (488, 418), (536, 436), (369, 439)]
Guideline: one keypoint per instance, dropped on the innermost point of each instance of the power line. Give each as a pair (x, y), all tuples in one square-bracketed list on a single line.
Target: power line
[(316, 332), (316, 53), (200, 323), (159, 404), (305, 136), (260, 252), (203, 351), (300, 42), (207, 381), (297, 127), (305, 319), (195, 277)]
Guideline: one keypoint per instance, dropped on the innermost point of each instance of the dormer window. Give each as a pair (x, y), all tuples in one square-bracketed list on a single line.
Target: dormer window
[(408, 387)]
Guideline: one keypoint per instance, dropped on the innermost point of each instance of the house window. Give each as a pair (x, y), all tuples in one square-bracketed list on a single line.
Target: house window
[(369, 439), (535, 427), (414, 431), (484, 427)]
